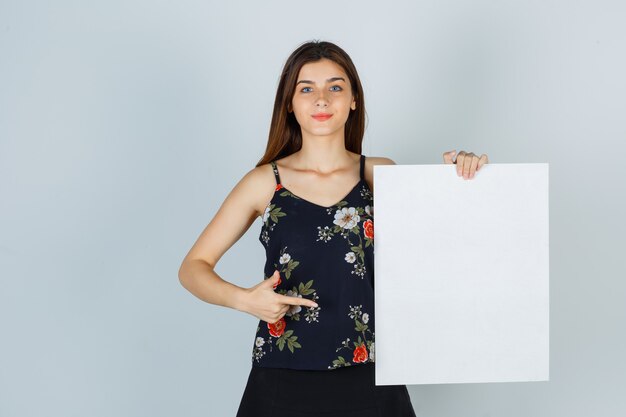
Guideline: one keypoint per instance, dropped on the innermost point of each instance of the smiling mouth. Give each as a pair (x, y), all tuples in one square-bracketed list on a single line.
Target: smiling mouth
[(322, 118)]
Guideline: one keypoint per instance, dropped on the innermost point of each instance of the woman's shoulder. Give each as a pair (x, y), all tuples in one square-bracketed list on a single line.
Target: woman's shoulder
[(258, 184), (379, 160), (370, 162)]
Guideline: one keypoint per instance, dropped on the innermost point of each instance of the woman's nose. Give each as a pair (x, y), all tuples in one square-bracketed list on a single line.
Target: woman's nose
[(321, 99)]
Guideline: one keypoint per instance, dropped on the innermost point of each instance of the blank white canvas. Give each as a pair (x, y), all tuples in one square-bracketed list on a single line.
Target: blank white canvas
[(461, 274)]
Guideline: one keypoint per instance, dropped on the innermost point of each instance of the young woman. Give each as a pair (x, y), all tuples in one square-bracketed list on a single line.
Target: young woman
[(314, 348)]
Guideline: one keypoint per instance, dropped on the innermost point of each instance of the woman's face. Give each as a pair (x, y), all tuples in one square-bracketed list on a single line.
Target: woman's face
[(322, 87)]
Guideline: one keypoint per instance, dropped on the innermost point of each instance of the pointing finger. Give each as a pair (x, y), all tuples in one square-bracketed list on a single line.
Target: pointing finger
[(297, 301)]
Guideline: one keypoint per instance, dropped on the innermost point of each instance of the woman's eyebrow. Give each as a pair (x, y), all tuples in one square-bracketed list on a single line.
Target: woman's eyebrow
[(330, 80)]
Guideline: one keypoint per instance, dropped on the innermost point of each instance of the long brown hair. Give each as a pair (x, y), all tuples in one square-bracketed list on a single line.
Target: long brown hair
[(285, 136)]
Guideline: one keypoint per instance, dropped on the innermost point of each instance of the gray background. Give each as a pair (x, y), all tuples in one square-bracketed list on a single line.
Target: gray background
[(124, 125)]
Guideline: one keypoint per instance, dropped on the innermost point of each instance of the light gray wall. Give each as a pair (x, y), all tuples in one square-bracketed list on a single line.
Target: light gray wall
[(124, 125)]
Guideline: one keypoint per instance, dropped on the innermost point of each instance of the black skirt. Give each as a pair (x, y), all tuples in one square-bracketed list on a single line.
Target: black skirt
[(348, 391)]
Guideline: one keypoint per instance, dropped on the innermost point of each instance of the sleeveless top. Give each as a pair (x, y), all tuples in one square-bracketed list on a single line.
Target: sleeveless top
[(325, 254)]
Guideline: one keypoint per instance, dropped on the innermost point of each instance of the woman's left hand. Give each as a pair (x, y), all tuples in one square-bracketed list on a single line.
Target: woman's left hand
[(466, 162)]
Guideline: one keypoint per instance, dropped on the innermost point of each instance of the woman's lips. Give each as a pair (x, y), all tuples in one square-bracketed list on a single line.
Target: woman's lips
[(322, 116)]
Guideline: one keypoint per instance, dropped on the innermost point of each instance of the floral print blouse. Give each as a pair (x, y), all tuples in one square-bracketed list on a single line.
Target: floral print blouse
[(325, 254)]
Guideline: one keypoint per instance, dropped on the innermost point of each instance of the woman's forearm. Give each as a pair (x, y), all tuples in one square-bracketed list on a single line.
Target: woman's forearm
[(199, 278)]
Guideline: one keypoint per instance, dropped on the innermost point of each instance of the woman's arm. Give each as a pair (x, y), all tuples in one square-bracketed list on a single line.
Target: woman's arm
[(232, 220), (235, 216)]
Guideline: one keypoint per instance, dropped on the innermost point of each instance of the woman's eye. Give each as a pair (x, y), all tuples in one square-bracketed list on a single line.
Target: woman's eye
[(338, 88)]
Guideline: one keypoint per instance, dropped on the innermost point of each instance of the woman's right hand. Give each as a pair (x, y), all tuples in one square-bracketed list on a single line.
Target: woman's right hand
[(263, 303)]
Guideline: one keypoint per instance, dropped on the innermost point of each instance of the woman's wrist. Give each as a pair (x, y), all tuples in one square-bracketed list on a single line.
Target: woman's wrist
[(240, 299)]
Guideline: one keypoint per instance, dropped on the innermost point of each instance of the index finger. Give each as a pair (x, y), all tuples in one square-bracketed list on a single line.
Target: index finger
[(286, 299)]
